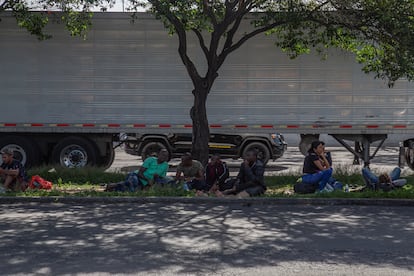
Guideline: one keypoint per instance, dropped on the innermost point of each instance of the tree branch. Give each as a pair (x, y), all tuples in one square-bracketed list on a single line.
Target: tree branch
[(232, 16), (245, 38), (182, 41), (4, 5), (243, 10), (202, 42)]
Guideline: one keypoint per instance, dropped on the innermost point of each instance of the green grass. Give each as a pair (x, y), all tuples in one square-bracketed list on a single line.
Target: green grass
[(282, 186), (77, 176), (85, 182)]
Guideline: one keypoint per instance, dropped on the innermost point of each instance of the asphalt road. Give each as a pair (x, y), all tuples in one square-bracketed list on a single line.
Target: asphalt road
[(189, 239)]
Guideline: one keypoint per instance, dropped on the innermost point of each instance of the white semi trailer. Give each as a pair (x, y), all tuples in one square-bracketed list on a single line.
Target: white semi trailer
[(66, 99)]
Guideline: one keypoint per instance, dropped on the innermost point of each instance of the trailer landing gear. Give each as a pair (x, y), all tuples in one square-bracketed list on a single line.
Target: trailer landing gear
[(362, 145)]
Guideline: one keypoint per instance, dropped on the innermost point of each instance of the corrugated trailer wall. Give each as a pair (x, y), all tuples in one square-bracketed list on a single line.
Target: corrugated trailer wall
[(127, 73)]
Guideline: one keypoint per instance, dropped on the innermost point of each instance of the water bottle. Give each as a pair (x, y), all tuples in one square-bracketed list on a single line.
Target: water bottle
[(346, 188)]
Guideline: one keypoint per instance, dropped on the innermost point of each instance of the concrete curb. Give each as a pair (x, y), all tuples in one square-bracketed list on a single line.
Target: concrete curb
[(206, 200)]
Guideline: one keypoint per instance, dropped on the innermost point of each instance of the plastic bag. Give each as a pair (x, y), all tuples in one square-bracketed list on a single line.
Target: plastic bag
[(38, 182)]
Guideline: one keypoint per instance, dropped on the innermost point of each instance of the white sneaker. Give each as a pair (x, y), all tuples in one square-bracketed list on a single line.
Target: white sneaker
[(328, 189)]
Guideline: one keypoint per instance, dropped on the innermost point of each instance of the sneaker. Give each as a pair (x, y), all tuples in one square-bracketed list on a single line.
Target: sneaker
[(299, 180), (328, 189)]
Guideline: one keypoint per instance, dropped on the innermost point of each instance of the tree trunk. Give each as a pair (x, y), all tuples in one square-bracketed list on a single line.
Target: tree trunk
[(201, 131)]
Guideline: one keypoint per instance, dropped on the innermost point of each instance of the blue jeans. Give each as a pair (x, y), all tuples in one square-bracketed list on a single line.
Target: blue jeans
[(371, 179), (130, 184), (321, 177)]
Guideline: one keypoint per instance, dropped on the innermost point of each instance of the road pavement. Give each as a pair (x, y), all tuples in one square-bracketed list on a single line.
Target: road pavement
[(205, 239)]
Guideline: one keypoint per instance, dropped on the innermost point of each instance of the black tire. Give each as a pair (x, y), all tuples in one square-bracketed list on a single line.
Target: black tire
[(107, 160), (409, 157), (151, 148), (74, 152), (263, 152), (305, 143), (26, 151)]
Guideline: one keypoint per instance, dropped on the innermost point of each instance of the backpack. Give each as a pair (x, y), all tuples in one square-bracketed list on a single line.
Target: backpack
[(305, 188)]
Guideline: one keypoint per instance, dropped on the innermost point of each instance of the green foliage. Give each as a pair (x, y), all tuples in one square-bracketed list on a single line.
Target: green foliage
[(77, 23), (34, 16)]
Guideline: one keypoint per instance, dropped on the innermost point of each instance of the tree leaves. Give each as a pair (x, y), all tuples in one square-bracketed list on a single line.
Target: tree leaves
[(34, 16)]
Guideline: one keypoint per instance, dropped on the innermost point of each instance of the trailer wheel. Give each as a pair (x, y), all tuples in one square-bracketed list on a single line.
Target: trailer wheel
[(25, 151), (74, 152), (262, 150), (305, 143), (151, 149), (409, 157), (107, 161)]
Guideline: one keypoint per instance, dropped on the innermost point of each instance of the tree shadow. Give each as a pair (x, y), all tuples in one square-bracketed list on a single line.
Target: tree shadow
[(133, 238)]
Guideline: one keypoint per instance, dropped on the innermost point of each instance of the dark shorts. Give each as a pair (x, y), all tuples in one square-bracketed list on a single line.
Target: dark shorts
[(227, 184), (199, 185), (255, 190)]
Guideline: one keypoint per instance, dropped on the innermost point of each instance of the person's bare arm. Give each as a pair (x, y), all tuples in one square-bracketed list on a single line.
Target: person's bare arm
[(325, 161), (142, 176), (200, 175), (13, 173), (178, 175), (318, 164)]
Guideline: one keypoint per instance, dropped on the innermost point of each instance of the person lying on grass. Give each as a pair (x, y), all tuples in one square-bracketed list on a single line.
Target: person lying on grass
[(249, 181), (152, 172), (385, 182)]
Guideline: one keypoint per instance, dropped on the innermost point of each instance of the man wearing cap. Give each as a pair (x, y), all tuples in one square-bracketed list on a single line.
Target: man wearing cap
[(12, 173)]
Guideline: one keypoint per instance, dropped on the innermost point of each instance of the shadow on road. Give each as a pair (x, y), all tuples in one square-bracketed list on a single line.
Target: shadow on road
[(198, 239)]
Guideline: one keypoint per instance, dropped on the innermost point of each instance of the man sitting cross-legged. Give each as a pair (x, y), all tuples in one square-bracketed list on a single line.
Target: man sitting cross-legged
[(250, 180), (12, 172)]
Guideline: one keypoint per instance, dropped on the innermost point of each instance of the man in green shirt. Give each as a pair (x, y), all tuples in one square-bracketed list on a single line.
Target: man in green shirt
[(154, 169)]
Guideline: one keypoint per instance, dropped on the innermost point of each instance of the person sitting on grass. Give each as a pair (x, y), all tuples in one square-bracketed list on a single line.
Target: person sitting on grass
[(216, 174), (153, 171), (317, 167), (191, 172), (12, 172), (250, 180), (384, 182)]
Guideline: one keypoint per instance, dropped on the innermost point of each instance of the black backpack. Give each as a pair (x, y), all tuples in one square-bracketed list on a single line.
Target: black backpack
[(305, 188)]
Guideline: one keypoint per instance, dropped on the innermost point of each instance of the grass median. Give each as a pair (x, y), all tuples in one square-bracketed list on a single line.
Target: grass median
[(89, 182)]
